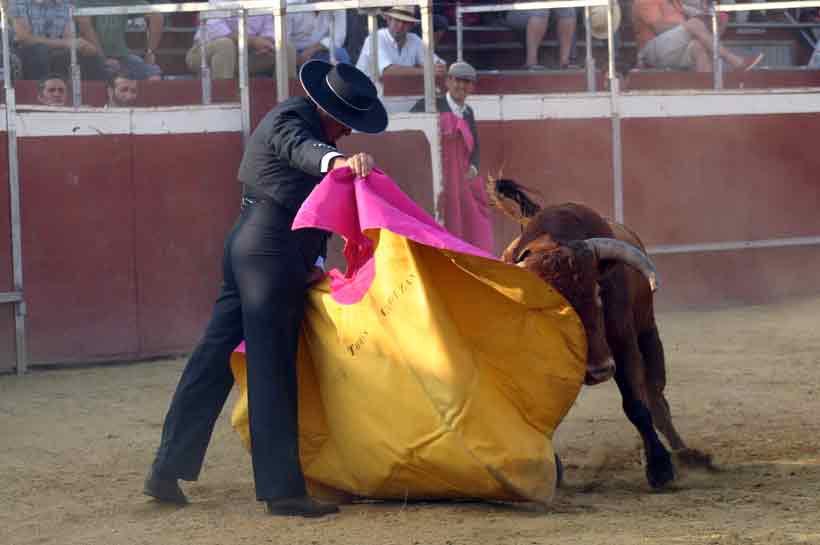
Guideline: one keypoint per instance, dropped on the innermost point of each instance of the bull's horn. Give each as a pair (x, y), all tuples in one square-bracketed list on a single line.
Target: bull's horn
[(610, 248)]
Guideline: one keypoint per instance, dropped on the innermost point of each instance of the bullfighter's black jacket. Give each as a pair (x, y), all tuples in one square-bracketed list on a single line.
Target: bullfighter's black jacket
[(283, 156)]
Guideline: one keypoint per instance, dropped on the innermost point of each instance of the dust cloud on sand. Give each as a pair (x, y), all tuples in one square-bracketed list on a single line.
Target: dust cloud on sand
[(743, 385)]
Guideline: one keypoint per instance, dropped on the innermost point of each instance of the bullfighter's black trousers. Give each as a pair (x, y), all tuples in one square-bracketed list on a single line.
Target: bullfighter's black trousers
[(265, 267)]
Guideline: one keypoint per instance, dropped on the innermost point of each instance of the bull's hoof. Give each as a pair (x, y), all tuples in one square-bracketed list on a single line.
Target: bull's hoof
[(660, 471), (690, 457), (559, 472)]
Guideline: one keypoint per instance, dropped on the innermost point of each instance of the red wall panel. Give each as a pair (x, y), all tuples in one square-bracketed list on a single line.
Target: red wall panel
[(756, 276), (123, 234), (566, 160), (186, 198), (78, 240), (716, 179), (755, 79)]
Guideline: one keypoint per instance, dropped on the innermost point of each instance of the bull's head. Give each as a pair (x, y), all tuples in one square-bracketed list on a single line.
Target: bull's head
[(574, 269)]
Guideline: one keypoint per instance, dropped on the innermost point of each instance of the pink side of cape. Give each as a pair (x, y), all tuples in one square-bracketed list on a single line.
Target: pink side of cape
[(349, 206)]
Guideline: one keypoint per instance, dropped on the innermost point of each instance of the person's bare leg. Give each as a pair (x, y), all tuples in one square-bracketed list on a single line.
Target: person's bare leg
[(536, 30), (698, 31), (703, 58), (566, 30)]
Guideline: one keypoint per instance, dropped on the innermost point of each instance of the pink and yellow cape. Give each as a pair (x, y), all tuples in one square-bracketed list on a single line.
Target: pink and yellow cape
[(428, 369)]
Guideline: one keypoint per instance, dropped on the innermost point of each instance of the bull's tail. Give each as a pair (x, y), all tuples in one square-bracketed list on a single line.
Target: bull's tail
[(512, 198)]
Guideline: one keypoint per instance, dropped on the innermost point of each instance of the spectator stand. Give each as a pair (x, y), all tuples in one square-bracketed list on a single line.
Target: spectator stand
[(16, 295), (716, 9), (279, 10), (523, 6), (494, 44), (784, 66)]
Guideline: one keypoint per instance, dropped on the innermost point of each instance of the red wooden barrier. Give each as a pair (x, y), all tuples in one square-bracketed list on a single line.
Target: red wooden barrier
[(123, 233)]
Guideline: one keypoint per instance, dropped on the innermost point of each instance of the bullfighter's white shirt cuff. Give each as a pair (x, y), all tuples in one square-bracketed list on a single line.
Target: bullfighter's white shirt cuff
[(326, 159)]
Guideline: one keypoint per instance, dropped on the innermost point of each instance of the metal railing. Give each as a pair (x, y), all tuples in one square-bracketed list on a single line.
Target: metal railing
[(525, 6), (278, 9), (15, 297), (716, 9)]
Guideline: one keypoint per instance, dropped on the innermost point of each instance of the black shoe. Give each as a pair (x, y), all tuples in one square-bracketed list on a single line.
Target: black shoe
[(164, 490), (304, 506)]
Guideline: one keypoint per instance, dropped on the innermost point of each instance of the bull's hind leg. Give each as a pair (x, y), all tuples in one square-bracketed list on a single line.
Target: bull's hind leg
[(659, 468), (651, 348), (630, 376)]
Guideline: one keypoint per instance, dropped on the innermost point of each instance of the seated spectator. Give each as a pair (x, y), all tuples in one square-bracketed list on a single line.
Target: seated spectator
[(222, 53), (463, 202), (400, 52), (107, 33), (309, 34), (41, 30), (52, 90), (14, 60), (534, 23), (122, 90), (669, 38)]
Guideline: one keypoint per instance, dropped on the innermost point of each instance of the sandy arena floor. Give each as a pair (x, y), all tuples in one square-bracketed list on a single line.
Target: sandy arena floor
[(744, 385)]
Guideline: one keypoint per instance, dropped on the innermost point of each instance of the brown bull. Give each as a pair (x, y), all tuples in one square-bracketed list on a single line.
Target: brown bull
[(601, 268)]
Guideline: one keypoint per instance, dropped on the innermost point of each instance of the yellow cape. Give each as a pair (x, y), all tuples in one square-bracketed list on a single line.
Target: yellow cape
[(446, 381)]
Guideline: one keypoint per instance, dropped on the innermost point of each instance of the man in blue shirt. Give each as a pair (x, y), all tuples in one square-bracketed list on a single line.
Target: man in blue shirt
[(41, 32)]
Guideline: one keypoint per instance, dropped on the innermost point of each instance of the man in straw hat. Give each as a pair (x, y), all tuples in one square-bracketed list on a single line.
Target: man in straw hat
[(400, 52), (668, 37), (266, 267)]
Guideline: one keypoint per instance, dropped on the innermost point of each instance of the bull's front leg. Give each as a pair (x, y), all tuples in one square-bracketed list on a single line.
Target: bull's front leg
[(660, 470)]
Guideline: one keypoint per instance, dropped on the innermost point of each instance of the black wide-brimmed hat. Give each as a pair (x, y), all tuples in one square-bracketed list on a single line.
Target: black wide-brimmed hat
[(346, 93)]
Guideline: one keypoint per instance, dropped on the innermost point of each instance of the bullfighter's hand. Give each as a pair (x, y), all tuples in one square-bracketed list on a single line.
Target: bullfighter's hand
[(472, 172), (361, 164)]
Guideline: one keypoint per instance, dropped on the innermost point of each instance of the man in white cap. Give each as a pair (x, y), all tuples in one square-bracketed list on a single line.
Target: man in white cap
[(460, 84), (266, 267), (400, 52), (464, 203)]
